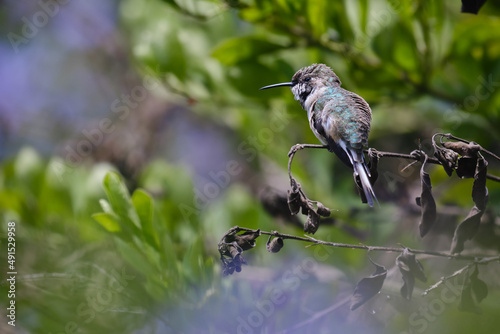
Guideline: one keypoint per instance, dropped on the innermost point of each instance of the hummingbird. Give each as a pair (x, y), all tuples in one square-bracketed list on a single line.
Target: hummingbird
[(340, 119)]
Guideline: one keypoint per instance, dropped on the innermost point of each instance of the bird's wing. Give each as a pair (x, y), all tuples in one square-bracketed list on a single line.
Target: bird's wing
[(333, 146), (361, 127)]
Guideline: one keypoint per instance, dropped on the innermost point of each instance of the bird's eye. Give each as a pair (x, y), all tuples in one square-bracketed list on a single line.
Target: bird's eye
[(307, 79)]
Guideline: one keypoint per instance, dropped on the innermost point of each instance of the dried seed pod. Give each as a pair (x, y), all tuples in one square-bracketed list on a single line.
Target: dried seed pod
[(323, 210), (312, 223), (274, 245)]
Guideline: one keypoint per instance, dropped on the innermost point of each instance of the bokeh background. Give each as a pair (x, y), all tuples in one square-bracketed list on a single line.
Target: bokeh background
[(165, 96)]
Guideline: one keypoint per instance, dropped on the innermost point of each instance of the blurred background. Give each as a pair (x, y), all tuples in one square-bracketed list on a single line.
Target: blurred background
[(166, 95)]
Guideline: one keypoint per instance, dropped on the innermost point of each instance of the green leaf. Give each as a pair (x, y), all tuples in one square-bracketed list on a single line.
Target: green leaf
[(109, 221), (316, 15), (143, 204), (193, 263), (406, 54), (169, 256), (363, 9), (236, 50), (120, 201), (136, 259), (106, 207), (29, 169), (28, 164)]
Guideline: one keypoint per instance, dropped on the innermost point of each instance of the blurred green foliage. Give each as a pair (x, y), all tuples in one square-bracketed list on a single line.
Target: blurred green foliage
[(94, 257)]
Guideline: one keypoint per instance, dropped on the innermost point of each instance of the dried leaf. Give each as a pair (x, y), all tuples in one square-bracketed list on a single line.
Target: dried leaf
[(312, 223), (466, 167), (368, 287), (464, 149), (479, 190), (410, 268), (474, 291), (446, 157), (467, 229), (472, 6), (467, 303), (466, 164), (426, 202), (232, 246), (479, 287), (408, 284), (294, 201), (247, 240), (232, 264)]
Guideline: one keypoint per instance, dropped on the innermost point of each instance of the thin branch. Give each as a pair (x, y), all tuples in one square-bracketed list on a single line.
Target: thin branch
[(318, 315), (298, 147), (381, 154), (475, 259), (400, 249), (429, 159), (485, 260)]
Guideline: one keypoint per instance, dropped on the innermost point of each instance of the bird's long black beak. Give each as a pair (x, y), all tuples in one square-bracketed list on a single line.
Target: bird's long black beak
[(278, 85)]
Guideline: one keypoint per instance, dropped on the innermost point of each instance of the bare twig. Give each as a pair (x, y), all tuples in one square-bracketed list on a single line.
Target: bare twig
[(475, 259), (429, 160), (400, 249), (381, 154), (298, 147), (484, 260)]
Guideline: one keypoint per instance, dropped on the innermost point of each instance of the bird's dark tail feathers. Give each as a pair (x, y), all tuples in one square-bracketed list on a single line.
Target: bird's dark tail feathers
[(362, 175)]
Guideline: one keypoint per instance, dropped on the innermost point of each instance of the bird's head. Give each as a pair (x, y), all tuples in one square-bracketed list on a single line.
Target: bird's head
[(305, 80)]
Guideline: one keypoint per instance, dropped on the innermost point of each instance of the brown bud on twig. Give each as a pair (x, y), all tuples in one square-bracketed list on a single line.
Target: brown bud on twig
[(274, 245), (323, 210), (294, 201)]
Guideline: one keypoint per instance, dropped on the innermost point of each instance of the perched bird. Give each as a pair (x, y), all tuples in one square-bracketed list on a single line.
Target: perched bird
[(339, 118)]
